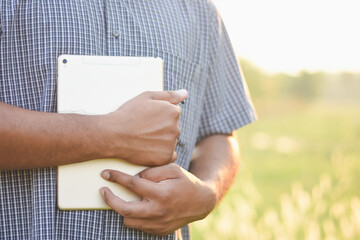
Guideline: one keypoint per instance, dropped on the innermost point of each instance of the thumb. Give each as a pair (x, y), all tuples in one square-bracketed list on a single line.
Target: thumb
[(173, 97)]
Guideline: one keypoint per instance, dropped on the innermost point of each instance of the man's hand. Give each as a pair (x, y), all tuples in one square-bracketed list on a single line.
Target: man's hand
[(172, 198), (145, 129)]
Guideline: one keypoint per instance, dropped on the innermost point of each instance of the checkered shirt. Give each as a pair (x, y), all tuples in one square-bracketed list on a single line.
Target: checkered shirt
[(188, 34)]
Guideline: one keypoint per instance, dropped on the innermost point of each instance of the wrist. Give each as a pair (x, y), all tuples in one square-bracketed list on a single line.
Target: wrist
[(213, 193), (210, 199), (91, 136), (110, 136)]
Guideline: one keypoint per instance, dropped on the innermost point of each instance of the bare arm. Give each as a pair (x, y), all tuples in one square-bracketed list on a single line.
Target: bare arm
[(172, 196), (30, 139), (216, 161)]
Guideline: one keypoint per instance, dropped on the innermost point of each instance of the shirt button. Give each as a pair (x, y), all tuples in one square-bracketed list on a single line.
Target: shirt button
[(116, 33)]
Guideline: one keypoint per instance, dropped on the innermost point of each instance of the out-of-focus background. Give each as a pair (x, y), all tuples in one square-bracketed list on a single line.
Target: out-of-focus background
[(300, 170)]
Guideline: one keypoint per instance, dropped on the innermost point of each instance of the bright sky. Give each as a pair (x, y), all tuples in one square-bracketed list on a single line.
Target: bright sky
[(289, 35)]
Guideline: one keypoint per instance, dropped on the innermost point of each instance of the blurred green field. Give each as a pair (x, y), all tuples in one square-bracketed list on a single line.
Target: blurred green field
[(299, 174), (301, 146)]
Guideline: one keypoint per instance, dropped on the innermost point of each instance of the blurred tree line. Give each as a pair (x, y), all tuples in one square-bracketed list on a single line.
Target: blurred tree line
[(304, 87)]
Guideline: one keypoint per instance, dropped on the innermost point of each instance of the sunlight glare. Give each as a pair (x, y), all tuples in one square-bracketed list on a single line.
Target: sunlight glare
[(290, 36)]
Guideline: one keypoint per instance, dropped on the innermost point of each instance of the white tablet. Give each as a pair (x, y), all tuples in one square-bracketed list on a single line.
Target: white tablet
[(99, 85)]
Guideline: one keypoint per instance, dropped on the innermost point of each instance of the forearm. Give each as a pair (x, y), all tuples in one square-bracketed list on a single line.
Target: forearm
[(216, 161), (137, 134), (32, 139)]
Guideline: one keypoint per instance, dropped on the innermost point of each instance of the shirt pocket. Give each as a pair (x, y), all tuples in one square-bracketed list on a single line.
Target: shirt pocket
[(180, 73)]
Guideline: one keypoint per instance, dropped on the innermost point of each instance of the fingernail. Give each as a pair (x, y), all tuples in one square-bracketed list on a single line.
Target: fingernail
[(105, 175), (182, 92), (102, 192)]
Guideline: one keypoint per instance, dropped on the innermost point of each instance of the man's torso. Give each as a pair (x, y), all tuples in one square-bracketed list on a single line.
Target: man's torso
[(34, 34)]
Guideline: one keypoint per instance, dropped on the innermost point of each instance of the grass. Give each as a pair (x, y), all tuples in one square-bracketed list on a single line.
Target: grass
[(298, 177)]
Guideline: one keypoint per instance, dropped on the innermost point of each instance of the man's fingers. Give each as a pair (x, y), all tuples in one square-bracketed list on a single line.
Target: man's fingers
[(127, 209), (139, 186), (173, 97), (161, 173), (147, 225)]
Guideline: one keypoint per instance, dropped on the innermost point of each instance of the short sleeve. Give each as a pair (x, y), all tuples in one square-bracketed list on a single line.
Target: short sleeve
[(227, 104)]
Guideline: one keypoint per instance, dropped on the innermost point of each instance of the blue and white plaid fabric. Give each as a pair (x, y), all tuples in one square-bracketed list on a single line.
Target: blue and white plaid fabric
[(188, 35)]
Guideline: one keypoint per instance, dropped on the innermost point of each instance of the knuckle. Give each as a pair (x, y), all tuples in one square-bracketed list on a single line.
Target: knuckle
[(170, 94), (162, 229), (177, 131), (172, 158), (165, 195), (131, 183), (174, 132), (145, 173), (161, 213), (130, 224), (125, 212), (175, 112), (179, 110)]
